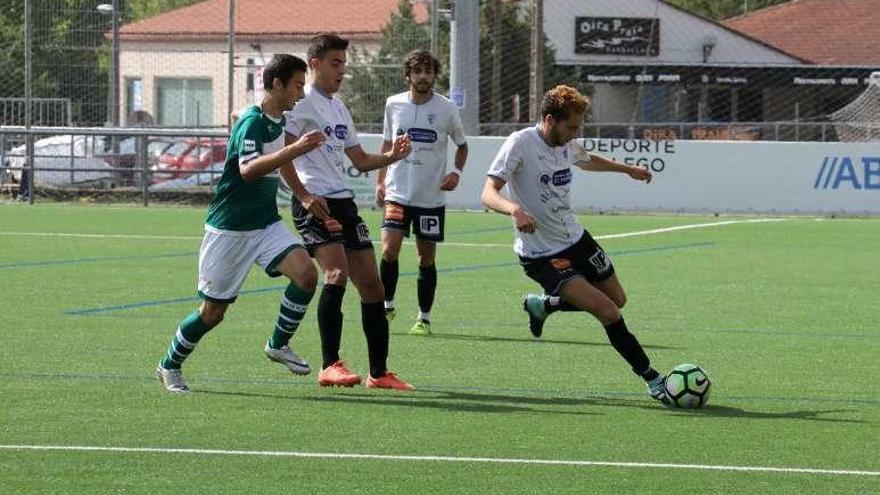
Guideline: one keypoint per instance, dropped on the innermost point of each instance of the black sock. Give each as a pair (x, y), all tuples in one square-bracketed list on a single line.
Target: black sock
[(627, 346), (330, 322), (389, 271), (376, 330), (427, 286)]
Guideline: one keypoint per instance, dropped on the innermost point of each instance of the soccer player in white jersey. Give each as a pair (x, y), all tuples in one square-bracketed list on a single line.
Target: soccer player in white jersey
[(327, 217), (243, 228), (554, 249), (412, 191)]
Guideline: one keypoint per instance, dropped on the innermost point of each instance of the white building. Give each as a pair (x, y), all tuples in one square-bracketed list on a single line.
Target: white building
[(173, 66)]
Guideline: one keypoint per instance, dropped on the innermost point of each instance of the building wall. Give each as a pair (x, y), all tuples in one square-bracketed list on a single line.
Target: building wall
[(151, 61)]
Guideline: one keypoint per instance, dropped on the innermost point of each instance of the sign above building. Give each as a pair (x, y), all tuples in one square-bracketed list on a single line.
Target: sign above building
[(628, 36)]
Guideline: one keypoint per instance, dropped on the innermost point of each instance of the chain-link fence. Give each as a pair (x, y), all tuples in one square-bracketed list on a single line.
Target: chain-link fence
[(674, 69)]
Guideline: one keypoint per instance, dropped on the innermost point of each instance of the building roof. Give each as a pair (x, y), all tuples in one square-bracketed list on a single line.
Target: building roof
[(824, 32), (269, 19)]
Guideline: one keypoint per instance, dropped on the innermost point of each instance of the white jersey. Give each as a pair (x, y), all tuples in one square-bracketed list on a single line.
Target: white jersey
[(538, 178), (322, 170), (415, 180)]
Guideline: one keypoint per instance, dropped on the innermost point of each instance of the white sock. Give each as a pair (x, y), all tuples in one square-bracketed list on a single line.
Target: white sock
[(389, 304), (425, 316)]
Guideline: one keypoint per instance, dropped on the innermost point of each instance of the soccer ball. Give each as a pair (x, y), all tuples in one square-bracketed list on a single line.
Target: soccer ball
[(687, 386)]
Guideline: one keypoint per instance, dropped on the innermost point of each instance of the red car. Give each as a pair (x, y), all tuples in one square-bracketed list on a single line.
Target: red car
[(181, 158)]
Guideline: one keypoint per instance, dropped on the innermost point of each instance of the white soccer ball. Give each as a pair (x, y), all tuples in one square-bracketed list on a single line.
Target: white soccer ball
[(688, 386)]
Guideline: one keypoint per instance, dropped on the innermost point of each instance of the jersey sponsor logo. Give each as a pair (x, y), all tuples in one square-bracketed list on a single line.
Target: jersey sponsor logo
[(560, 264), (419, 135), (341, 132), (250, 145), (600, 261), (562, 177), (430, 224)]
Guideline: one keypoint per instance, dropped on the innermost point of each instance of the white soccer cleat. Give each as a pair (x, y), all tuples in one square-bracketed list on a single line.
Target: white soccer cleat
[(290, 359), (172, 380)]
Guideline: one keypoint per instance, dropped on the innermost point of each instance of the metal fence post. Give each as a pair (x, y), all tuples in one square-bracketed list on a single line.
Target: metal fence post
[(144, 164), (28, 95)]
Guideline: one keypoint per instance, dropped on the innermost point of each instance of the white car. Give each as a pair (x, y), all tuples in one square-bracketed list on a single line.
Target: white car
[(72, 154), (194, 180)]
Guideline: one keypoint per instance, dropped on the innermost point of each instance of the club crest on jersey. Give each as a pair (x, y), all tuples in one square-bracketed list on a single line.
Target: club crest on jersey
[(431, 118), (422, 135), (341, 132)]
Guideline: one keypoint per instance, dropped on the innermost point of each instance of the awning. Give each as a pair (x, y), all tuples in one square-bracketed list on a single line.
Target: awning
[(734, 76)]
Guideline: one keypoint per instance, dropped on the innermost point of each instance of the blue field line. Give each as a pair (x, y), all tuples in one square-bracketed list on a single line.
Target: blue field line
[(428, 388), (122, 307), (74, 261)]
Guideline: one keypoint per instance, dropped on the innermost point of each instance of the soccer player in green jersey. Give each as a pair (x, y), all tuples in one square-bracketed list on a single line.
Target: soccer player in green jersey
[(243, 227)]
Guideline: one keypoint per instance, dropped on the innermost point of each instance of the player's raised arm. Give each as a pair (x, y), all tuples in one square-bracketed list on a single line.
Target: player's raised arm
[(364, 162), (597, 163), (264, 164)]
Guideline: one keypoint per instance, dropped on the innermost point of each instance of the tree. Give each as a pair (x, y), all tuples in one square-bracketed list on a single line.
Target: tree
[(374, 77), (723, 9)]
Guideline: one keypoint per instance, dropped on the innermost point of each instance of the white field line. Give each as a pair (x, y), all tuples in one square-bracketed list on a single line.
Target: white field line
[(458, 244), (435, 458)]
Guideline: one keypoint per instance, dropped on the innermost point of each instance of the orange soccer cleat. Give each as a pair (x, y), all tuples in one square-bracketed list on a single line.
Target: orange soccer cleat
[(337, 375), (388, 380)]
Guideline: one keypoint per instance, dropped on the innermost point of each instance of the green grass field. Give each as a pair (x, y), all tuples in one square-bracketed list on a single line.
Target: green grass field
[(782, 315)]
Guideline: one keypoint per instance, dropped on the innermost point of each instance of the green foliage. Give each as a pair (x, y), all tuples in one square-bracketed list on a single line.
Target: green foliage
[(374, 77), (141, 9), (723, 9)]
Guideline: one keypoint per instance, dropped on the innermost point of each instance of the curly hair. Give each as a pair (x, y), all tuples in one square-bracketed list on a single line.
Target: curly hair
[(420, 57), (562, 101)]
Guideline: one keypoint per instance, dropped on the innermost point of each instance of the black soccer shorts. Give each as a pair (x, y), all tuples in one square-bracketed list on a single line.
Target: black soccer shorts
[(585, 258), (427, 223), (346, 226)]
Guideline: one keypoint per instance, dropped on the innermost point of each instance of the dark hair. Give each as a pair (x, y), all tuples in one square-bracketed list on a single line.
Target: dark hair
[(321, 44), (420, 57), (562, 101), (282, 67)]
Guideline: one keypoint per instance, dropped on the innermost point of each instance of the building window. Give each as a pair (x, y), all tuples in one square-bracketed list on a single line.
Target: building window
[(185, 102), (134, 95)]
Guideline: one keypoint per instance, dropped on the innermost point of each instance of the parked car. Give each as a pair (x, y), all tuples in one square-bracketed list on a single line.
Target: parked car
[(77, 157), (128, 157), (181, 158), (194, 180)]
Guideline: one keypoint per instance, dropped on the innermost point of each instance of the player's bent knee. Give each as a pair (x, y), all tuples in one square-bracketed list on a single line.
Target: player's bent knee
[(306, 279), (607, 314), (620, 300), (372, 291), (212, 314), (336, 276)]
